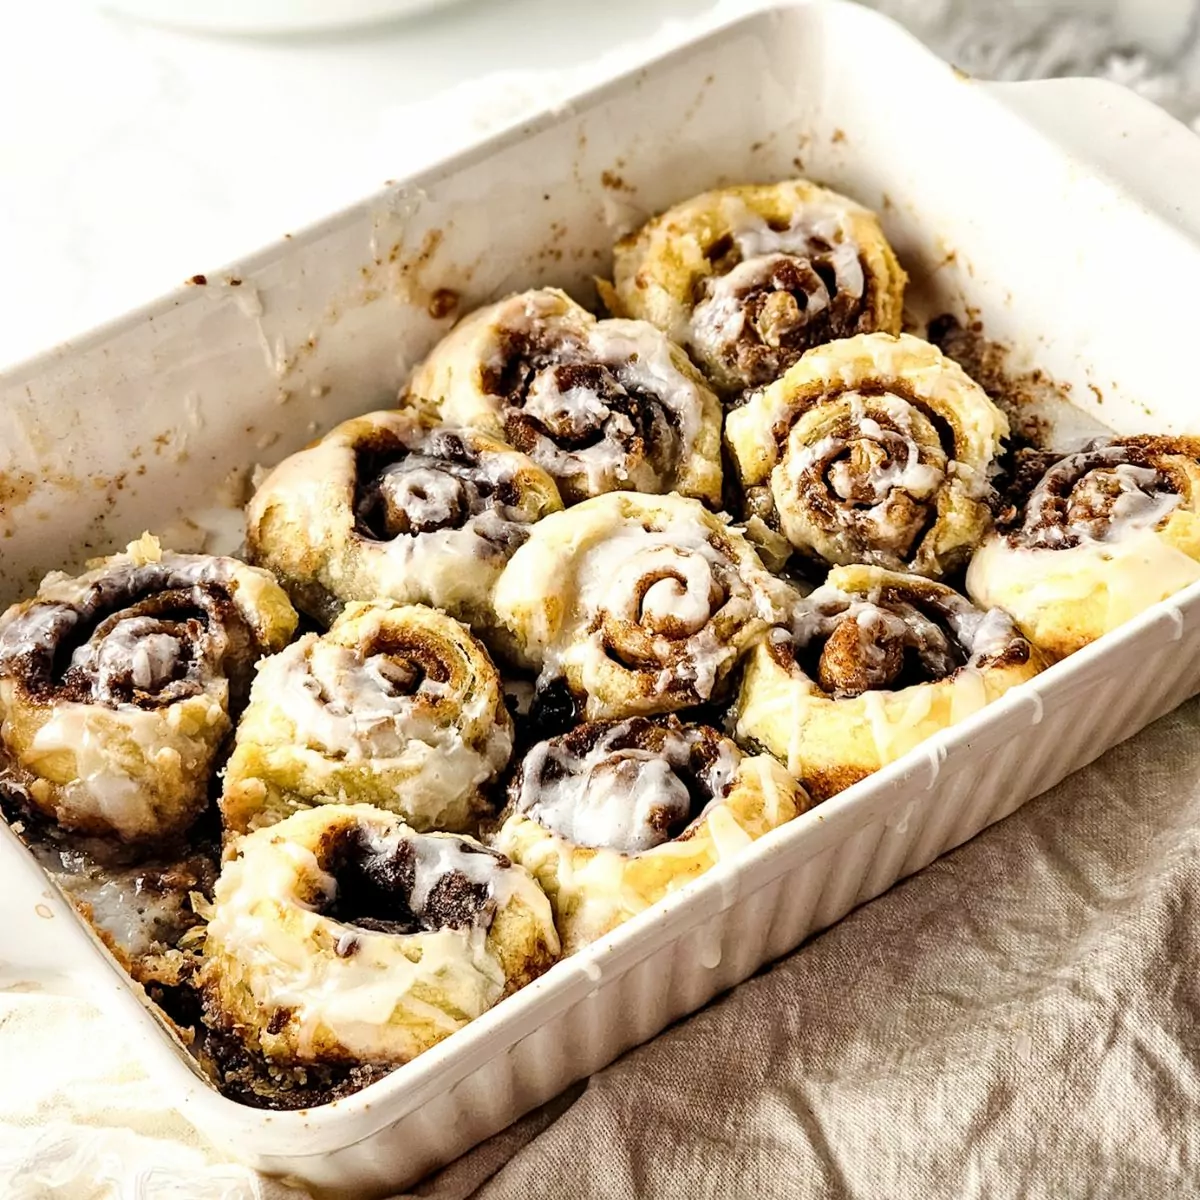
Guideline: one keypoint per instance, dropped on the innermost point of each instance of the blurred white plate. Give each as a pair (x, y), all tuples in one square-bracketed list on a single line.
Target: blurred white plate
[(268, 16)]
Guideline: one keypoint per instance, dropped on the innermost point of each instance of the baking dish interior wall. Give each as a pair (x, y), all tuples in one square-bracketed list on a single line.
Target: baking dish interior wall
[(156, 421)]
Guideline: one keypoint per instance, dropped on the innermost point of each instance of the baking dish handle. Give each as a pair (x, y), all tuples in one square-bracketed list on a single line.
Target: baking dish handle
[(1146, 152), (42, 944)]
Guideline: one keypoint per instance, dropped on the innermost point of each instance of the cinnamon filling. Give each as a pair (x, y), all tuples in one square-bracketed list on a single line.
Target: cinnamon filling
[(855, 661), (440, 483), (658, 601), (1095, 495), (851, 645), (872, 476), (376, 886), (625, 785), (147, 635), (762, 312), (397, 664), (565, 409)]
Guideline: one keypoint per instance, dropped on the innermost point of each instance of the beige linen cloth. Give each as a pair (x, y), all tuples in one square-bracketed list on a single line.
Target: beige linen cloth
[(1021, 1019)]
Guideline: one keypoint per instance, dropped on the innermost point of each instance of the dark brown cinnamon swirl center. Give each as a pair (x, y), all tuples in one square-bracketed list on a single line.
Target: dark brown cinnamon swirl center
[(856, 660), (892, 637), (775, 294), (147, 636), (625, 785), (440, 482), (851, 646), (580, 417), (1096, 494), (406, 885)]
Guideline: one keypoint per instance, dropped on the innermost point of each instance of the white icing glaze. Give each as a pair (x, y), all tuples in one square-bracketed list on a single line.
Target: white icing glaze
[(617, 797), (701, 581), (431, 497), (604, 466), (260, 921), (104, 788), (132, 649), (450, 567), (366, 710), (132, 905), (639, 365), (903, 470), (1137, 505), (719, 319)]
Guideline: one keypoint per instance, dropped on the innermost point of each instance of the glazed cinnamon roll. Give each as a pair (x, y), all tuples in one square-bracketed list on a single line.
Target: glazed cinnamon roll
[(641, 604), (1093, 538), (614, 815), (871, 664), (875, 450), (118, 688), (396, 706), (390, 505), (342, 935), (747, 279), (603, 406)]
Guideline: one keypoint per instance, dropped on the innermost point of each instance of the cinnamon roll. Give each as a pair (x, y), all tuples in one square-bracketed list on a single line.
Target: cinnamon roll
[(603, 406), (871, 664), (875, 450), (118, 688), (747, 279), (342, 935), (392, 505), (1093, 538), (614, 815), (396, 706), (642, 604)]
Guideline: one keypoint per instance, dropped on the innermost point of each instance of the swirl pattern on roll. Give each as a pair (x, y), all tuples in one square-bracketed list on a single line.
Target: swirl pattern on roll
[(1088, 540), (876, 450), (870, 665), (342, 935), (392, 505), (641, 604), (614, 815), (118, 687), (748, 278), (603, 406), (397, 706)]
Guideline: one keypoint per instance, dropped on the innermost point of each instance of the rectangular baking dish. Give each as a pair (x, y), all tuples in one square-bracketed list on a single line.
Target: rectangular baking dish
[(1064, 216)]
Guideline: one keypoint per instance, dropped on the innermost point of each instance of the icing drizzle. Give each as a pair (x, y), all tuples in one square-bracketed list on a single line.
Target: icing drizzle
[(627, 786)]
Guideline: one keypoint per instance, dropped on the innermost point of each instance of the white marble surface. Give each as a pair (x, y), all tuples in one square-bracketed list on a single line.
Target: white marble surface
[(133, 157)]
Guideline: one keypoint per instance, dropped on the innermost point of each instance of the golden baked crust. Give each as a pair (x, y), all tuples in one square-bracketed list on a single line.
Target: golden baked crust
[(643, 604), (874, 663), (342, 935), (615, 815), (876, 450), (122, 737), (748, 278), (392, 505), (1093, 538), (603, 406), (397, 706)]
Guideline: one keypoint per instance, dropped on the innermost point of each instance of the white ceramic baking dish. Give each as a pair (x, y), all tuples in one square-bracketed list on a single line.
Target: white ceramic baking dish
[(1065, 216)]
